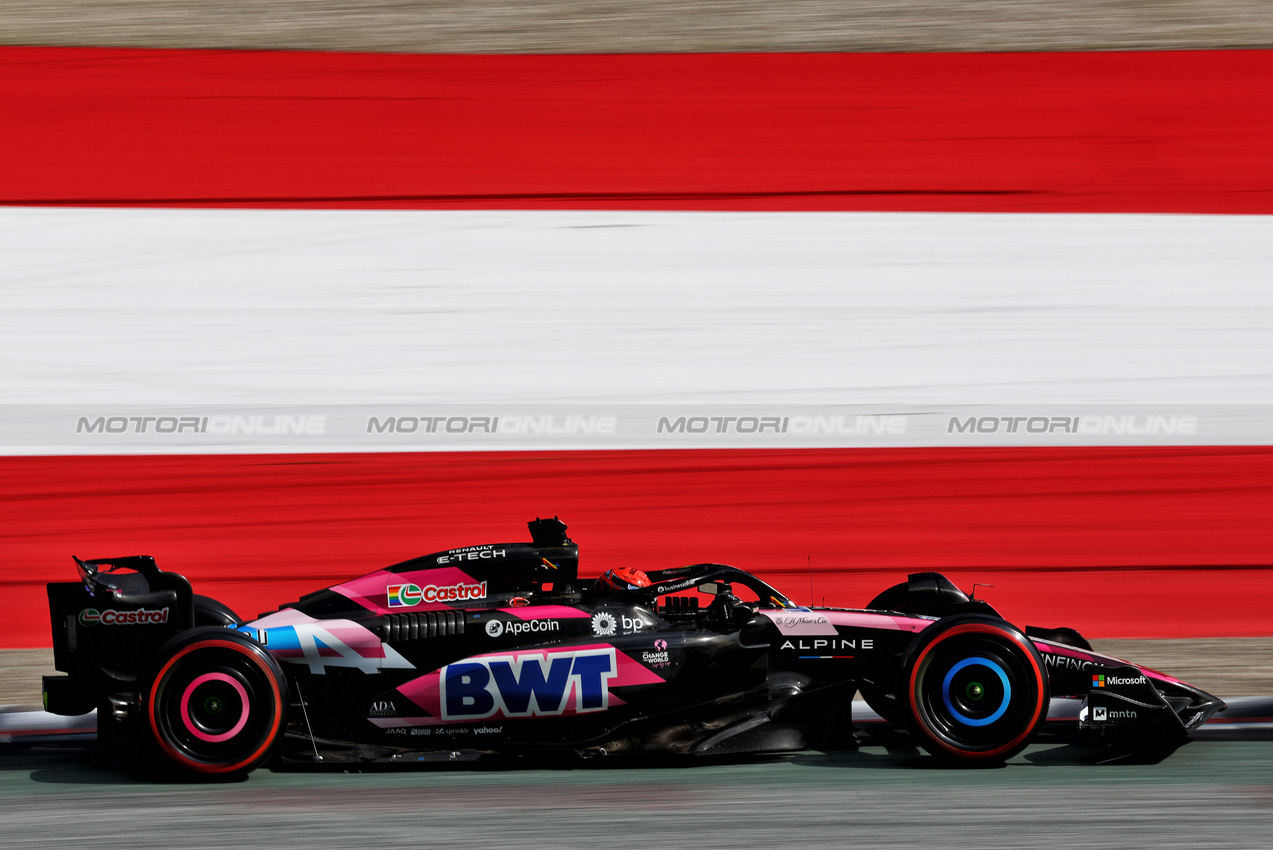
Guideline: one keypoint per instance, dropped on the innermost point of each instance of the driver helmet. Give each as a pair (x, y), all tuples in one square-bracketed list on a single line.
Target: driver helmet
[(622, 578)]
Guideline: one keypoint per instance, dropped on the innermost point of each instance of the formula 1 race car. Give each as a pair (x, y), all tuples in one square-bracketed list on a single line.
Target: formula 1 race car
[(499, 650)]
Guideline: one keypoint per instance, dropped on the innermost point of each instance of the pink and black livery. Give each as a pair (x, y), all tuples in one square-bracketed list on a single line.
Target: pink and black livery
[(499, 651)]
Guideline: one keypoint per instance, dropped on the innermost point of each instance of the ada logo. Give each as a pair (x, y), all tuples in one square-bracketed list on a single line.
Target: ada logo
[(604, 624), (382, 708), (410, 595), (111, 617), (531, 684)]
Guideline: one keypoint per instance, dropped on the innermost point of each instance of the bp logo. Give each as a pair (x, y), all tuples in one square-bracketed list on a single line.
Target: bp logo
[(604, 624), (495, 628)]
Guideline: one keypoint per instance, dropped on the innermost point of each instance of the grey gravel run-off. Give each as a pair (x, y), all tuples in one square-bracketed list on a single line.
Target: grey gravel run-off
[(601, 26)]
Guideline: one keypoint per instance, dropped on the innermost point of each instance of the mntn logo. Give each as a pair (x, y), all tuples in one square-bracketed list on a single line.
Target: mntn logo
[(529, 684)]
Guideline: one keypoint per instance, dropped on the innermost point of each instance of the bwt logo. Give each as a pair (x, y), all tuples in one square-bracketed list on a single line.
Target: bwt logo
[(528, 685)]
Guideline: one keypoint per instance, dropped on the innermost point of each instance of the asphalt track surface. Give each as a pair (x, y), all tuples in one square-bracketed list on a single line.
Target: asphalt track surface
[(1214, 794)]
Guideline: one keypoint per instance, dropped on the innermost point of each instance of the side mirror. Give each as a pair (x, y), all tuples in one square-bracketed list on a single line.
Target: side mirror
[(711, 588)]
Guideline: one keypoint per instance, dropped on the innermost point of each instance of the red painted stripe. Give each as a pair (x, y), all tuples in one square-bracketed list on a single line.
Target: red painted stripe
[(1117, 542), (1132, 132)]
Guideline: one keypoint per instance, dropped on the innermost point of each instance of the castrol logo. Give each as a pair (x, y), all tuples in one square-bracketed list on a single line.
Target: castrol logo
[(111, 617), (410, 595)]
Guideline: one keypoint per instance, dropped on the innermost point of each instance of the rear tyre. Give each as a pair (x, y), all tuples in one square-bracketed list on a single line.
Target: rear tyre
[(210, 612), (976, 690), (214, 703)]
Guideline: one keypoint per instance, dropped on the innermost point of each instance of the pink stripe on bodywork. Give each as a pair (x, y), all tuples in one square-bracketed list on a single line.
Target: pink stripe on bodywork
[(545, 612), (1051, 648), (357, 637), (285, 617), (370, 591), (426, 691), (822, 622)]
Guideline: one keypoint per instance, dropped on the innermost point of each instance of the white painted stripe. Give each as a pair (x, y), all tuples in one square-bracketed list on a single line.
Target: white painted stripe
[(216, 307)]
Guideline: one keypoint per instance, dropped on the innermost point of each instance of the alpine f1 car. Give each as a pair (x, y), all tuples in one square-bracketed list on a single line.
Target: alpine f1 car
[(499, 650)]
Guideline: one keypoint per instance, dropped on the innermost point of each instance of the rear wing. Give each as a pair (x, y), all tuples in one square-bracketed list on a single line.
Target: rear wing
[(107, 626)]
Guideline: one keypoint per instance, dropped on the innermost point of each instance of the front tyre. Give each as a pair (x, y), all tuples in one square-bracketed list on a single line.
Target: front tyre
[(976, 690), (214, 702)]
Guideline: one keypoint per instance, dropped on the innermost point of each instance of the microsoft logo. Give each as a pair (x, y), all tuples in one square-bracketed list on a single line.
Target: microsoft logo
[(1098, 681)]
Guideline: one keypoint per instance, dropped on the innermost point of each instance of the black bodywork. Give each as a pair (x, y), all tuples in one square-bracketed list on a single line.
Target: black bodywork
[(500, 650)]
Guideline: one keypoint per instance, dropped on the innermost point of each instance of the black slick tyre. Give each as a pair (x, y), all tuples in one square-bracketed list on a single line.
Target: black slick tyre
[(210, 612), (975, 688), (214, 703)]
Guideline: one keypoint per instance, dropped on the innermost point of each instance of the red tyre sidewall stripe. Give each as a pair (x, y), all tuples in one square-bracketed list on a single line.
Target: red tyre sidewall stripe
[(205, 768), (978, 628)]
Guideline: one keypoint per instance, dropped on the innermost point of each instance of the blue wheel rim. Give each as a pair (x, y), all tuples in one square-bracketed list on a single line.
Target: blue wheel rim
[(960, 716)]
